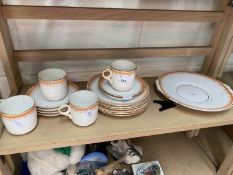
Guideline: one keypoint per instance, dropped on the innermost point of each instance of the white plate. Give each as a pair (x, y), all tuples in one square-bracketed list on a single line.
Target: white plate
[(49, 115), (44, 112), (123, 114), (195, 91), (93, 86), (47, 110), (136, 90), (35, 92)]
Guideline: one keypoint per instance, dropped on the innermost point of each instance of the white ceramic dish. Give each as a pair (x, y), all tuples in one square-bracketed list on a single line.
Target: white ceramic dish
[(82, 108), (135, 91), (48, 115), (93, 86), (122, 74), (122, 114), (41, 102), (126, 108), (195, 91), (143, 106), (120, 108), (46, 112), (53, 84), (19, 114)]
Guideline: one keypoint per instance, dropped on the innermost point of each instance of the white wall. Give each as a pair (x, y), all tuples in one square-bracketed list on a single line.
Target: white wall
[(50, 34)]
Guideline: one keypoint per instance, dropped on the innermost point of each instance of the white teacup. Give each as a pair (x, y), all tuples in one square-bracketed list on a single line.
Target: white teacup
[(19, 114), (53, 84), (82, 108), (122, 74)]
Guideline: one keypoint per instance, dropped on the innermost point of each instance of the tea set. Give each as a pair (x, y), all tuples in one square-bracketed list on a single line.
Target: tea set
[(117, 91), (121, 92), (54, 95)]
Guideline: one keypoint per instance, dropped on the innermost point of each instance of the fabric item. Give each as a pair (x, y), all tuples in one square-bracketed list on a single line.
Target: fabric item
[(47, 162), (51, 162), (64, 150)]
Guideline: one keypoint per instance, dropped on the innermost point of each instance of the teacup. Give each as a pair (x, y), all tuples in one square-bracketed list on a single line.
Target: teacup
[(53, 84), (82, 108), (19, 114), (121, 76)]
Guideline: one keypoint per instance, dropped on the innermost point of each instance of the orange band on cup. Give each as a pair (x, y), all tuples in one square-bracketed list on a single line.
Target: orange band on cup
[(123, 72), (54, 82), (76, 108), (21, 115)]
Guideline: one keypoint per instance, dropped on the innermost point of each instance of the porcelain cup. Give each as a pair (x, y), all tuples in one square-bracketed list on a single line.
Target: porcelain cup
[(53, 84), (82, 108), (121, 76), (18, 114)]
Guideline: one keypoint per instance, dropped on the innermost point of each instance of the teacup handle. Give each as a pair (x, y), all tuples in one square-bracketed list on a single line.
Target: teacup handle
[(67, 112), (107, 77)]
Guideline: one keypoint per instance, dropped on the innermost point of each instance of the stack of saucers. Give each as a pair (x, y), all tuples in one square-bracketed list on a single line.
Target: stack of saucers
[(117, 103), (49, 108)]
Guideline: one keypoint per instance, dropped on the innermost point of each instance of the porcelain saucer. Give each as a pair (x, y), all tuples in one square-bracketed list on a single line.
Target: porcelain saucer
[(196, 91), (93, 86), (136, 90), (41, 102)]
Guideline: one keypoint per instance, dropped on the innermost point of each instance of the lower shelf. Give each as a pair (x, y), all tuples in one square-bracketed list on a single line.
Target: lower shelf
[(177, 154)]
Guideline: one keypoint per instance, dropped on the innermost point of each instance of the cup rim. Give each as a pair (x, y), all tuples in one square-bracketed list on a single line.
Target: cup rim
[(51, 69), (84, 107), (17, 115), (131, 70)]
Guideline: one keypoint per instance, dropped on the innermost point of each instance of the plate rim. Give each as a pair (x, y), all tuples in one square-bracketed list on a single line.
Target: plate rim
[(101, 81), (147, 92), (33, 87), (161, 89)]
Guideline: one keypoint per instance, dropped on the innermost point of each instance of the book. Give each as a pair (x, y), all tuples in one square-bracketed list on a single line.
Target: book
[(147, 168)]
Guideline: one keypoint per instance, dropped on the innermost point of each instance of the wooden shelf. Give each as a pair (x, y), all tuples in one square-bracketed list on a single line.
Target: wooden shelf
[(60, 131), (177, 154)]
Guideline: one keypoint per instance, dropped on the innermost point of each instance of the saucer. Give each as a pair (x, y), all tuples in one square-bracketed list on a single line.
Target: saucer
[(136, 90), (119, 107), (92, 85), (196, 91), (41, 102), (48, 115)]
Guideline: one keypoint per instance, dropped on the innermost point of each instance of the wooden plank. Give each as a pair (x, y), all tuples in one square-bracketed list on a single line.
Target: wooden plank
[(187, 159), (114, 53), (214, 43), (6, 55), (227, 167), (83, 13), (225, 46), (215, 143), (225, 59), (60, 131), (192, 133)]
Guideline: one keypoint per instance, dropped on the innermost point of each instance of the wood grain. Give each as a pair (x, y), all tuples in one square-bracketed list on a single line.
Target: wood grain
[(60, 131), (185, 160), (215, 41), (215, 143), (90, 54), (83, 13), (227, 167), (10, 66), (225, 46)]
